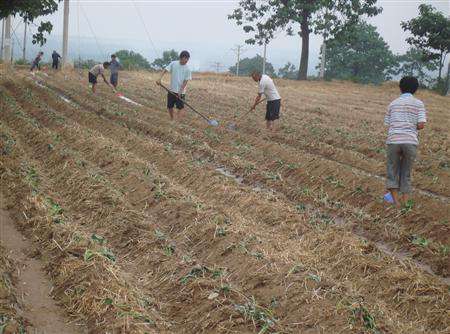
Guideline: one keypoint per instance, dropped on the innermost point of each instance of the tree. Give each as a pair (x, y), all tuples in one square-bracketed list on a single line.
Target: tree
[(168, 57), (288, 71), (430, 33), (30, 10), (248, 65), (415, 63), (264, 17), (360, 54), (132, 60)]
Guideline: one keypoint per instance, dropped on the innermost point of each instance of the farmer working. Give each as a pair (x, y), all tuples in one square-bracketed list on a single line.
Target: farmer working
[(55, 60), (267, 87), (114, 67), (180, 74), (36, 61), (405, 116), (97, 70)]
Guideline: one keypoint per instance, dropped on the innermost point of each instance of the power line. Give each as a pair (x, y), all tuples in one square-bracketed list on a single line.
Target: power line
[(145, 28), (92, 31)]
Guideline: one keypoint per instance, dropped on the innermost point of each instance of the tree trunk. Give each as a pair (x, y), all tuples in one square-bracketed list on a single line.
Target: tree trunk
[(441, 64), (304, 33)]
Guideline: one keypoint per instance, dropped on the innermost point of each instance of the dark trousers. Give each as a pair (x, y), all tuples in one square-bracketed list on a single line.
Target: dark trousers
[(55, 64), (400, 159)]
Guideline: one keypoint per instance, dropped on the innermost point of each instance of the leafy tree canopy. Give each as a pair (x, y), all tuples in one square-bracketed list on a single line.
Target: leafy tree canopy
[(30, 10), (248, 65), (264, 18), (430, 34), (415, 63), (132, 60), (360, 54), (288, 71), (167, 57)]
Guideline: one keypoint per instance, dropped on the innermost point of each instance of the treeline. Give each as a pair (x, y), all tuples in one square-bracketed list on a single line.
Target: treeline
[(131, 60)]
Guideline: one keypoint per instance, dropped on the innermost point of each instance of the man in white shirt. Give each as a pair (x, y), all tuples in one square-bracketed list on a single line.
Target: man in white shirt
[(180, 74), (267, 87), (97, 70)]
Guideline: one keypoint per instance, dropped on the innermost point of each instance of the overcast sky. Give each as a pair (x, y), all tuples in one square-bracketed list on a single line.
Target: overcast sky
[(202, 27)]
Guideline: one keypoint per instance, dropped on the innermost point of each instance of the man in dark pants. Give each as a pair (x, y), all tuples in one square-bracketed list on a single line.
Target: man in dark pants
[(55, 58), (267, 87), (180, 74), (36, 61), (405, 116), (114, 67)]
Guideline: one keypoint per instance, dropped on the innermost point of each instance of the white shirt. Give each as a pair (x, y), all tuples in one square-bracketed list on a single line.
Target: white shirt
[(178, 74), (97, 70), (267, 87)]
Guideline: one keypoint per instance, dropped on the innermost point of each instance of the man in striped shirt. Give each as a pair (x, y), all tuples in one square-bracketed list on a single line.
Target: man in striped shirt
[(405, 116)]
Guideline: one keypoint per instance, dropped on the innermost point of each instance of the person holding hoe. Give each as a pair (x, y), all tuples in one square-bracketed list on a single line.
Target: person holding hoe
[(97, 70), (405, 116), (267, 87), (36, 62), (180, 74)]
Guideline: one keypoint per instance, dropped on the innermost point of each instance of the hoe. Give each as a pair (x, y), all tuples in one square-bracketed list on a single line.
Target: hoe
[(233, 126), (212, 122)]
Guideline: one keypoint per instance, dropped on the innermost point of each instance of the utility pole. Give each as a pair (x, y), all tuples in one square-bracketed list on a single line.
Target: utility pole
[(65, 34), (238, 51), (24, 56), (217, 65), (3, 37), (322, 62), (447, 81), (7, 41), (264, 59)]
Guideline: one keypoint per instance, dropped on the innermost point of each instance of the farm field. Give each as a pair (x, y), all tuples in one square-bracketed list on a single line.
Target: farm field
[(143, 225)]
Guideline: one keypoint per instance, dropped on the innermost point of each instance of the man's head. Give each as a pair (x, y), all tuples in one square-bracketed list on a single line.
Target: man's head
[(113, 57), (106, 64), (41, 53), (409, 85), (184, 57), (256, 75)]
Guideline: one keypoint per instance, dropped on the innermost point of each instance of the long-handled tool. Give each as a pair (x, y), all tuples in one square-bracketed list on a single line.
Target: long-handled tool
[(212, 122), (233, 126)]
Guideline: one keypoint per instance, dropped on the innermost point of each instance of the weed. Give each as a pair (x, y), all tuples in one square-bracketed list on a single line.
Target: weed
[(419, 241), (7, 144), (98, 239), (195, 272), (444, 249), (220, 232), (169, 250), (336, 182), (362, 314), (160, 192), (168, 147), (159, 235), (55, 208), (408, 206), (261, 317), (300, 207)]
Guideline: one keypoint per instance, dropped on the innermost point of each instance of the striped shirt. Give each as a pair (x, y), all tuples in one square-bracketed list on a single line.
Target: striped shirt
[(402, 117)]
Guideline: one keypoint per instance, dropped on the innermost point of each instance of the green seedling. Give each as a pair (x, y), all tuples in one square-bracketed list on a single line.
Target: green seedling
[(108, 254), (159, 235), (408, 207), (98, 239), (314, 277), (169, 250), (261, 317), (220, 232), (195, 272), (362, 314), (419, 241), (300, 207)]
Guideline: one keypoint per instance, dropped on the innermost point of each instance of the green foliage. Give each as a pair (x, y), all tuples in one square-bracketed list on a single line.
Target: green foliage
[(288, 71), (248, 65), (263, 18), (415, 63), (131, 60), (430, 33), (85, 64), (360, 54), (30, 10), (167, 58)]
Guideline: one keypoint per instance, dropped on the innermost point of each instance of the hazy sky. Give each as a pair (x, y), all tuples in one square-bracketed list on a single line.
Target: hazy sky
[(202, 27)]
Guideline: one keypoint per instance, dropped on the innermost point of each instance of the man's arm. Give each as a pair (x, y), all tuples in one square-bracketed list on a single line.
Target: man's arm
[(387, 116), (158, 82), (106, 82), (183, 86), (422, 118), (257, 99)]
